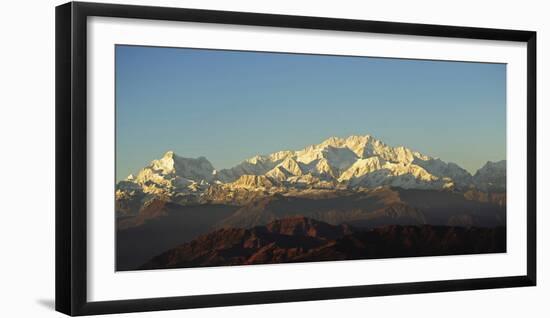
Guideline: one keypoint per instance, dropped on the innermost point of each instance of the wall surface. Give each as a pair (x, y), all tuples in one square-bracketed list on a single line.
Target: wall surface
[(27, 160)]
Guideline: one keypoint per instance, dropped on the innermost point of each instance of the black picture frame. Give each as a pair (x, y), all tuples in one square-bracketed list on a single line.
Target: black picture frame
[(71, 157)]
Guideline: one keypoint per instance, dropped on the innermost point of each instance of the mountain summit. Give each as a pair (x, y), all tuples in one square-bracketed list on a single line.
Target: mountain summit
[(353, 161)]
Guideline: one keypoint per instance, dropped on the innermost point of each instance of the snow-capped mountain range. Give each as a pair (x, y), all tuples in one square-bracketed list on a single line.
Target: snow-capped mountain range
[(339, 163)]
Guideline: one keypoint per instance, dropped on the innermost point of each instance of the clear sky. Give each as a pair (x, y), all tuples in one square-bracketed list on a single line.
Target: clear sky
[(232, 105)]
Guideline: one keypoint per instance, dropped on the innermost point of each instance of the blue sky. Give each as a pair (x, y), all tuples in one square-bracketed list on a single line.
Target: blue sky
[(232, 105)]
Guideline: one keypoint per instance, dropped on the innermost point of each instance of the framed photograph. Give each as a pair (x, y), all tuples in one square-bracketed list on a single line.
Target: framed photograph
[(210, 158)]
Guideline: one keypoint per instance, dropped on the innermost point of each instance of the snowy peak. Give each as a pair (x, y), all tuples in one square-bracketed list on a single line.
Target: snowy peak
[(278, 174), (362, 146), (324, 168), (367, 146), (339, 159), (257, 165), (401, 175), (439, 168), (190, 168), (355, 144), (169, 176), (362, 167), (280, 155), (291, 166)]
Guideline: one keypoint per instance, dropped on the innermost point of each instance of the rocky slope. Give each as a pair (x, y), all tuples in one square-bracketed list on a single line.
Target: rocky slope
[(161, 225), (300, 239), (491, 177)]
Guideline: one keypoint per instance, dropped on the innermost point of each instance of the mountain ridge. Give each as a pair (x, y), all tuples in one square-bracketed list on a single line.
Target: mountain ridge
[(350, 162), (300, 239)]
